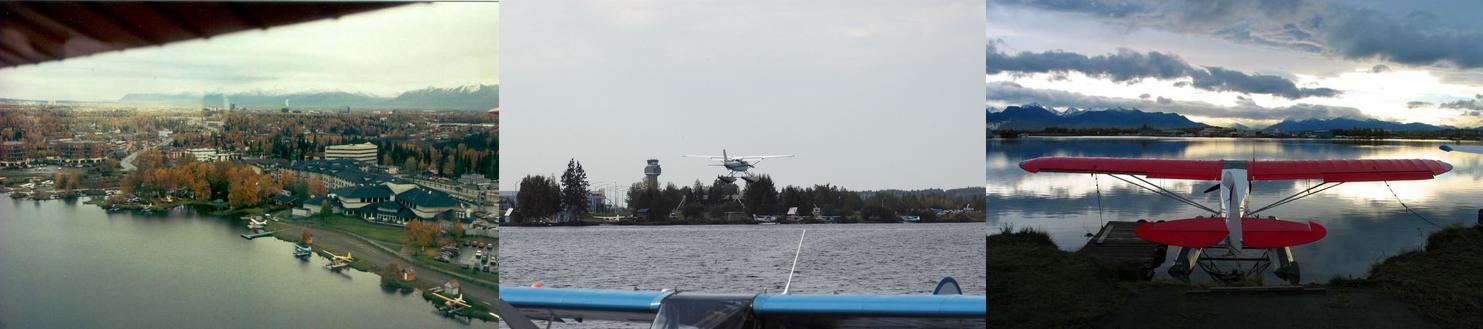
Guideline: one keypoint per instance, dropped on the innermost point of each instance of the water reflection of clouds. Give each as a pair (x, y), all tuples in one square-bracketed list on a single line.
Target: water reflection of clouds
[(1365, 221)]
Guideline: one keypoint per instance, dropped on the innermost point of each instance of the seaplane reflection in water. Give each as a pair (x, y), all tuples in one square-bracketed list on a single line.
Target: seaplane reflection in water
[(1234, 243), (737, 166)]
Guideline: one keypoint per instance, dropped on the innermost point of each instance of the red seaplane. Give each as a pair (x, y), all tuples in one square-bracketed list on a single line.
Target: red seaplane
[(1223, 243)]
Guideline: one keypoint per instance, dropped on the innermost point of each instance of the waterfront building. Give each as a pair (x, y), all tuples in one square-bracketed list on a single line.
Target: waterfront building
[(364, 152), (73, 151), (15, 154), (393, 204)]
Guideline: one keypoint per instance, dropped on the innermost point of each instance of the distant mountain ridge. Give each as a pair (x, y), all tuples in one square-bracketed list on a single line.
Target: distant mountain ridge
[(1037, 117), (1347, 123), (468, 98)]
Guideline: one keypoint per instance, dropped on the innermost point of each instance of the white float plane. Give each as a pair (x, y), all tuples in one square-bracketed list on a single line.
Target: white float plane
[(737, 165)]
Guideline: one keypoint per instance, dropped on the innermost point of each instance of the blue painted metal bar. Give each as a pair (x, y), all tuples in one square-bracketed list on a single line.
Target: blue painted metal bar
[(583, 299), (954, 306)]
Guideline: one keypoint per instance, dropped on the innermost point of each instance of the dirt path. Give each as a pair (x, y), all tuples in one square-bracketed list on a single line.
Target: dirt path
[(365, 249), (1169, 307)]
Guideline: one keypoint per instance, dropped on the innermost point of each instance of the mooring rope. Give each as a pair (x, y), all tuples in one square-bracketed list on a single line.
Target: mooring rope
[(1408, 208)]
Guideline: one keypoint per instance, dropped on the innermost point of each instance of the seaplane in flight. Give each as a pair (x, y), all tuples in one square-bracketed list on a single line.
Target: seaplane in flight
[(946, 307), (737, 166), (1224, 243)]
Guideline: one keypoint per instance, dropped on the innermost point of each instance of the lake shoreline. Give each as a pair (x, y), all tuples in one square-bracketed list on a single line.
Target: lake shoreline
[(1421, 288)]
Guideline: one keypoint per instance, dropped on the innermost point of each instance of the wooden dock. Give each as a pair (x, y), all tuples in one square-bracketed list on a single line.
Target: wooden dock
[(1116, 243), (259, 234)]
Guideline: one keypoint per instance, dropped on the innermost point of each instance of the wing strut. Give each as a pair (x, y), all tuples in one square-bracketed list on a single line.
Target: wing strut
[(1301, 194), (1156, 189)]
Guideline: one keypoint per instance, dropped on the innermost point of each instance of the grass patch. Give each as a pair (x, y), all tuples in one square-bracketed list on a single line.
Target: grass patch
[(1037, 285), (390, 235), (1444, 281)]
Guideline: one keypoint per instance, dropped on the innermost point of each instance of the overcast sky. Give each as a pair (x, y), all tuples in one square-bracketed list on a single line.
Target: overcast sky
[(1247, 62), (381, 52), (867, 94)]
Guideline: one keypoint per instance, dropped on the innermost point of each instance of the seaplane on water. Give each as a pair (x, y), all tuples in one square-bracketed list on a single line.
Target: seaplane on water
[(946, 307), (737, 166), (1223, 243), (338, 262), (256, 223)]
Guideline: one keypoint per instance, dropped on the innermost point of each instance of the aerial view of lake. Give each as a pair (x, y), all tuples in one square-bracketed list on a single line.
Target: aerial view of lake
[(72, 265), (1366, 222)]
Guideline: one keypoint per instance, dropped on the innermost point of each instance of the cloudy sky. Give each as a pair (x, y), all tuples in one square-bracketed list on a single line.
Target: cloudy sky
[(868, 94), (1248, 62), (381, 52)]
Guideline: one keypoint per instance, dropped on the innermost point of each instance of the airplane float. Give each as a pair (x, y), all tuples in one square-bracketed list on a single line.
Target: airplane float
[(946, 307), (737, 166), (1223, 243)]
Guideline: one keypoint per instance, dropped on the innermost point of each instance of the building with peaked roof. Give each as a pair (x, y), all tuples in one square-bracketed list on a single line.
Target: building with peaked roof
[(394, 204)]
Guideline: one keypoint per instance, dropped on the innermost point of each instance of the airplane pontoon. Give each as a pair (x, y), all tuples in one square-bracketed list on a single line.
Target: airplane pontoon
[(1234, 242), (946, 307)]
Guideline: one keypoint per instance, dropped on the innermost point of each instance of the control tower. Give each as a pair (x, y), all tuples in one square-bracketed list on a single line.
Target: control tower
[(651, 173)]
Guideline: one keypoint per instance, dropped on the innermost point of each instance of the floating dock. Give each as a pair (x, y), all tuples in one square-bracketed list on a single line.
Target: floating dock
[(1116, 243), (251, 236)]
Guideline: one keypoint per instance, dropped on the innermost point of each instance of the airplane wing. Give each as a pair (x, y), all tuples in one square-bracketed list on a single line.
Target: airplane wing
[(1368, 170), (760, 157), (38, 32), (667, 309), (712, 157)]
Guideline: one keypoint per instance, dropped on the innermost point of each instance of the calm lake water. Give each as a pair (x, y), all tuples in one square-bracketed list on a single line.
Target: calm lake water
[(1365, 222), (836, 258), (64, 264)]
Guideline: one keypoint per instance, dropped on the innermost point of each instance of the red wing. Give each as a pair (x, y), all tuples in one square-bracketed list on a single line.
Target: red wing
[(1209, 232), (1327, 170), (1348, 170), (1152, 168)]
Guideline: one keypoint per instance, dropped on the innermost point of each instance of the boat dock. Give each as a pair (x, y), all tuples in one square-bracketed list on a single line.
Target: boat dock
[(1116, 243), (259, 234)]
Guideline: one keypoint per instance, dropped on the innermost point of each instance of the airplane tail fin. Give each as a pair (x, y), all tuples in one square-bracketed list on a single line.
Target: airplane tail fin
[(947, 286)]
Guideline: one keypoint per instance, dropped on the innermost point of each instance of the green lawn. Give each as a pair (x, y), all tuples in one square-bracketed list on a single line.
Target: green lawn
[(387, 235)]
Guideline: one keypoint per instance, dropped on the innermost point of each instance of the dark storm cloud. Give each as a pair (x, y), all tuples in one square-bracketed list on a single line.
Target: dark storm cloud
[(1016, 94), (1414, 37), (1128, 65), (1379, 68)]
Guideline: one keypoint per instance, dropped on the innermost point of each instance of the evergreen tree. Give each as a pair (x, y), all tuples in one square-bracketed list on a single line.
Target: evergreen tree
[(761, 197), (574, 189)]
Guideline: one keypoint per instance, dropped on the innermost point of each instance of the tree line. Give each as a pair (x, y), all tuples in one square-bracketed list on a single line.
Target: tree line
[(542, 198)]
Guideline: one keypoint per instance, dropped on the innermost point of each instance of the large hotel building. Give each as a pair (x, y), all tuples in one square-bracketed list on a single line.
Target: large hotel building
[(364, 152)]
